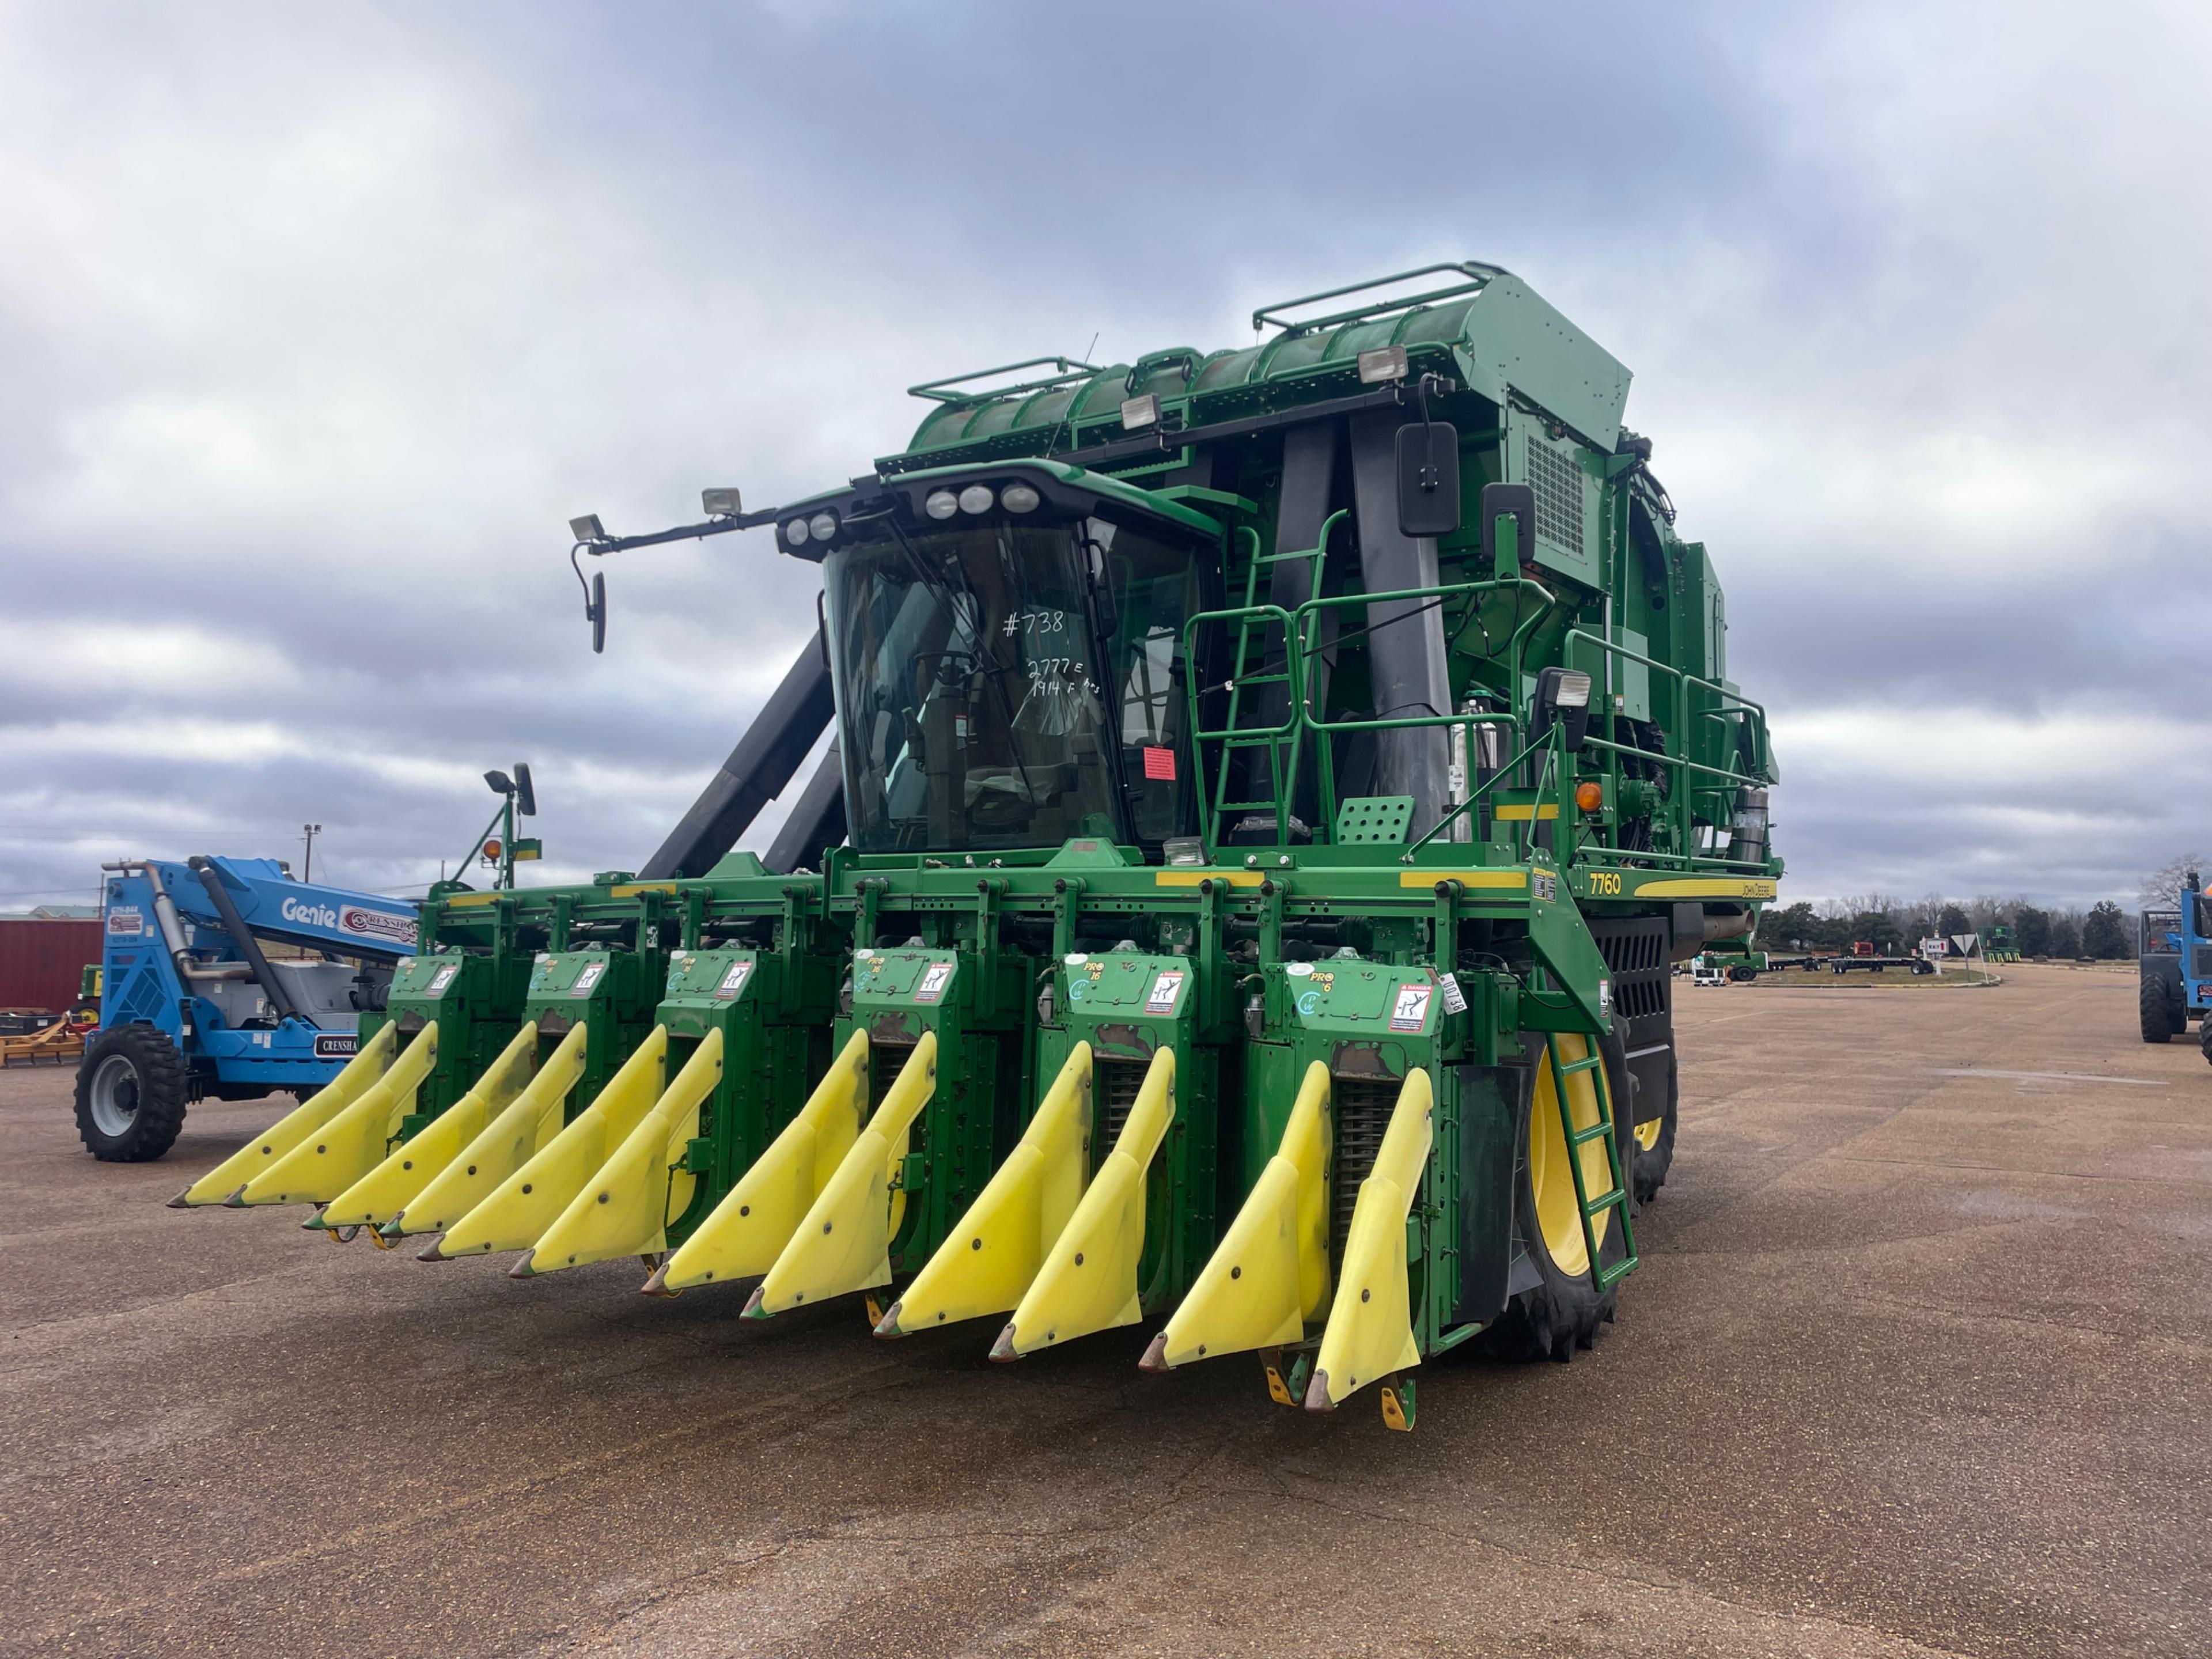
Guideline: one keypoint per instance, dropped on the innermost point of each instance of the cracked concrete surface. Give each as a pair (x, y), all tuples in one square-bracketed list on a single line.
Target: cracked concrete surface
[(1913, 1366)]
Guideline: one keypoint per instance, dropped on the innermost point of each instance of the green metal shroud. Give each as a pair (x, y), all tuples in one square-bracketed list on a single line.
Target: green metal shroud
[(1196, 856)]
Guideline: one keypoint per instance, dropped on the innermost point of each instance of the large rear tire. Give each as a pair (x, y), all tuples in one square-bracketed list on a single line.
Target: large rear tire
[(131, 1094), (1560, 1313), (2154, 1010), (1654, 1142)]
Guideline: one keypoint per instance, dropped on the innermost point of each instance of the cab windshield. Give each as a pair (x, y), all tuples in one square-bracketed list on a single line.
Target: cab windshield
[(979, 708)]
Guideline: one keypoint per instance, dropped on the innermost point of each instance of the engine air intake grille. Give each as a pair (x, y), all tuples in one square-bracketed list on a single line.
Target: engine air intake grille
[(1558, 486)]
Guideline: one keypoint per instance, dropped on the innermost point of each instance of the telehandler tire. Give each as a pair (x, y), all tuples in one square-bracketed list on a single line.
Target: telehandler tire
[(2155, 1010), (131, 1094), (1561, 1312)]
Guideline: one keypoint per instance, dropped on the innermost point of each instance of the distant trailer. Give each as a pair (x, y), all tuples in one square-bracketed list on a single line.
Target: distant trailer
[(42, 962)]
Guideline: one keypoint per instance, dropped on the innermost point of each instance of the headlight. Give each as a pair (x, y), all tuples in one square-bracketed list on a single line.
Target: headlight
[(941, 504), (976, 498), (822, 525), (794, 533), (1019, 498)]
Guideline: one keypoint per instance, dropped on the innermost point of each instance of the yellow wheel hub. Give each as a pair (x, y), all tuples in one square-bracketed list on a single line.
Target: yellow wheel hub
[(1550, 1178), (1647, 1134)]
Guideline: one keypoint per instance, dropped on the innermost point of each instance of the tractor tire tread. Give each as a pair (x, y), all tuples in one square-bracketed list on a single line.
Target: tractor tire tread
[(2154, 1010), (163, 1095), (1561, 1313), (1651, 1166)]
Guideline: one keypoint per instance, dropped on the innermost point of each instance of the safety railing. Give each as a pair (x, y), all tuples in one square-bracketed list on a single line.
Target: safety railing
[(1735, 707), (1514, 716), (1283, 738)]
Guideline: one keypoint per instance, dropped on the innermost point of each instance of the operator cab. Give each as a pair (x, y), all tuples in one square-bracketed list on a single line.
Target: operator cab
[(1006, 650)]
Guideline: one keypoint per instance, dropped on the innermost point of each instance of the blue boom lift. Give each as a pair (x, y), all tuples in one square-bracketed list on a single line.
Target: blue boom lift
[(192, 1007)]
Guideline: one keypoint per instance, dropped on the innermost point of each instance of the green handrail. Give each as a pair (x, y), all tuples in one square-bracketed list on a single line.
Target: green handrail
[(1479, 275), (1069, 368), (1682, 804)]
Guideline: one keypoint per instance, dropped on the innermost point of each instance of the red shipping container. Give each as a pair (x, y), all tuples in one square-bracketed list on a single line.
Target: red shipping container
[(42, 962)]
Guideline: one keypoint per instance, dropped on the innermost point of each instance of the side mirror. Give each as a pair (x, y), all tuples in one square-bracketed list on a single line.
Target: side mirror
[(1515, 506), (1428, 478), (526, 798), (596, 610)]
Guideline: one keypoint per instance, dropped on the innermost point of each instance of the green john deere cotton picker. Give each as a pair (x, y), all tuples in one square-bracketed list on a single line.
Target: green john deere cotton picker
[(1270, 789)]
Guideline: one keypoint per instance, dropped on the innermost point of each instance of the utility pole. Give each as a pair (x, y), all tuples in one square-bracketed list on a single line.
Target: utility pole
[(311, 831)]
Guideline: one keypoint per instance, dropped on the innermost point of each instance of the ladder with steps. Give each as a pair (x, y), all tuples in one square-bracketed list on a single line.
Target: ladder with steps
[(1616, 1196), (1283, 740)]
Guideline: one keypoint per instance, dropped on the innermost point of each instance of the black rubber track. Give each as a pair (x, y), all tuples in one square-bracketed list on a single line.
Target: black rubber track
[(161, 1084)]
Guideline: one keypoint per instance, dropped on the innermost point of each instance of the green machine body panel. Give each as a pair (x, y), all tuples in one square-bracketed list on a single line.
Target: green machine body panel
[(982, 1077), (771, 1058), (1127, 1006), (477, 1001), (612, 992)]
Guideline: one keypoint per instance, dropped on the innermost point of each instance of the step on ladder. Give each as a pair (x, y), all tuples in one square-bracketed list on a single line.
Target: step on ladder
[(1616, 1196)]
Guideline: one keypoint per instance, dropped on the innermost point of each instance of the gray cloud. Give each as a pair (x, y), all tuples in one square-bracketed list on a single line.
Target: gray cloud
[(318, 327)]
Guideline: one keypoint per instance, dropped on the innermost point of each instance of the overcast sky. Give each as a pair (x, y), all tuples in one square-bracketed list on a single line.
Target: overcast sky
[(317, 324)]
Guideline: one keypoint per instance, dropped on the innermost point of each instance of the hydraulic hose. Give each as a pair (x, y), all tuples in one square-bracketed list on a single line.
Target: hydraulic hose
[(172, 931), (248, 946)]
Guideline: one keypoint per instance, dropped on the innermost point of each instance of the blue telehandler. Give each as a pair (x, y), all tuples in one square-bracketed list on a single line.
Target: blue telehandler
[(192, 1007), (2175, 965)]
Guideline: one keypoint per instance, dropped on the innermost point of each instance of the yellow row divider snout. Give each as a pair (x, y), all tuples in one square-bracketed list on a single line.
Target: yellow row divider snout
[(1370, 1334), (1270, 1274), (521, 1207), (380, 1197), (354, 1139), (744, 1233), (1089, 1278), (844, 1241), (229, 1180), (504, 1145), (990, 1258), (625, 1208)]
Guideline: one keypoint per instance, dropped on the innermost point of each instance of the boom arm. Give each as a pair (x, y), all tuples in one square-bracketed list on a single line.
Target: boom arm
[(273, 906)]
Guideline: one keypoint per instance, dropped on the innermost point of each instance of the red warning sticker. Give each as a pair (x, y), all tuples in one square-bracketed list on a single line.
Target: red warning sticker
[(1159, 763), (1165, 989), (1412, 1012)]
